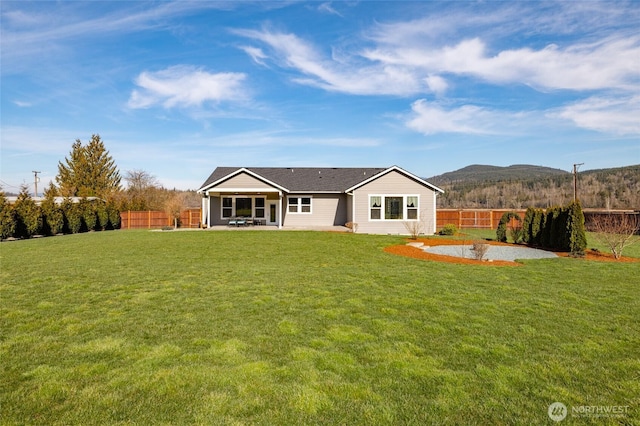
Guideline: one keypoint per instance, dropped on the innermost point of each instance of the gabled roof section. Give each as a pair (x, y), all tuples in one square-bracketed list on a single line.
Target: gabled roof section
[(298, 179), (399, 170), (221, 174)]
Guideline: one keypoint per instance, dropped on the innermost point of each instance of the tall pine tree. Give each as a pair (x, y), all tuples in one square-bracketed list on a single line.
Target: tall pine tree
[(89, 171)]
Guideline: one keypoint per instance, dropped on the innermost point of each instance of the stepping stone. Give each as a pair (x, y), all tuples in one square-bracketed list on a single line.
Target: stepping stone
[(415, 244)]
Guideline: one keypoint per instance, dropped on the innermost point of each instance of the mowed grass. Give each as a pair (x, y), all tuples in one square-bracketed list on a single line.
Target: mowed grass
[(137, 327)]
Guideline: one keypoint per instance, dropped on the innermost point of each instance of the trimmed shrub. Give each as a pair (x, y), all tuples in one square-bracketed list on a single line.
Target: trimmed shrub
[(7, 222), (28, 218), (52, 217), (72, 216), (102, 215), (88, 212), (576, 230), (527, 224), (449, 229), (536, 227), (558, 228), (501, 232), (114, 215)]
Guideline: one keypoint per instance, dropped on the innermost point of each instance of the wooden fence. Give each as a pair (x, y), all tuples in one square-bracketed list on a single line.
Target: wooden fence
[(473, 218), (157, 219), (462, 218)]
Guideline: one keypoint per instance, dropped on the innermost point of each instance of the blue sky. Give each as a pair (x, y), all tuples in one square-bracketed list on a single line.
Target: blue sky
[(178, 88)]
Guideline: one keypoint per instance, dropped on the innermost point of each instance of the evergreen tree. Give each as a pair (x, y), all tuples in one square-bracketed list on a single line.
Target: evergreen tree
[(89, 171), (102, 215), (53, 219), (72, 216), (526, 226), (27, 214), (576, 229), (113, 213), (7, 222), (89, 214)]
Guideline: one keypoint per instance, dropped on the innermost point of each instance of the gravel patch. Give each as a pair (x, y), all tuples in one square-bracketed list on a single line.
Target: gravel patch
[(493, 253)]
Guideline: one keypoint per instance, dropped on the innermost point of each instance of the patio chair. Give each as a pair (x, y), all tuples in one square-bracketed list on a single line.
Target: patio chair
[(233, 222)]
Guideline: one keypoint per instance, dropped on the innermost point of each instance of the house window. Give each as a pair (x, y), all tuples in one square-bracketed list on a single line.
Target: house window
[(393, 207), (243, 207), (260, 207), (375, 204), (300, 205), (227, 207), (412, 208)]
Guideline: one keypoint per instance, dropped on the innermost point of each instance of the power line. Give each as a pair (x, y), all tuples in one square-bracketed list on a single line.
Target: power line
[(8, 184)]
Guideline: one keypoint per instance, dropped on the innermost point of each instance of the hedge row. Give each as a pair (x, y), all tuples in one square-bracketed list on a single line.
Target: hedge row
[(25, 218), (558, 228)]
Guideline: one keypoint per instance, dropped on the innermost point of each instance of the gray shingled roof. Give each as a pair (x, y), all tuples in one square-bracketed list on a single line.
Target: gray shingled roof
[(301, 179)]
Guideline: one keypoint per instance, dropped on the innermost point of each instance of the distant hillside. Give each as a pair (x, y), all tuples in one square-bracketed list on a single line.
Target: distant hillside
[(522, 186), (482, 173)]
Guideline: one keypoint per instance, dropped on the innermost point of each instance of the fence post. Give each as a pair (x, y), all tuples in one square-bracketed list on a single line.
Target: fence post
[(459, 219), (129, 219), (149, 219)]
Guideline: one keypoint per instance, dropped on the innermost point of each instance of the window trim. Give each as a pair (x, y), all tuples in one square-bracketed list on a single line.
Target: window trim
[(405, 208), (299, 204)]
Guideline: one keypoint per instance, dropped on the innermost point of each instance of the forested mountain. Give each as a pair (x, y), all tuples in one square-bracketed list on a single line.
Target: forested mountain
[(522, 186), (482, 173)]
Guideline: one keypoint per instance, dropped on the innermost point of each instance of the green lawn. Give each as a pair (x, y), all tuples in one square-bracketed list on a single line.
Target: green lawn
[(137, 327)]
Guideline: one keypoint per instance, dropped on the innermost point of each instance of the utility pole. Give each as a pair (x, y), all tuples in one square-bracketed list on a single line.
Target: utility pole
[(35, 178), (575, 181)]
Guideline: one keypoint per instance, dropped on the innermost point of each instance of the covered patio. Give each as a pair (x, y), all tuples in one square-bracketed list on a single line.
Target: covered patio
[(234, 208)]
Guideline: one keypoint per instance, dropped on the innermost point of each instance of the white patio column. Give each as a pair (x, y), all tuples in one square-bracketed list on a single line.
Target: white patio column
[(205, 210), (280, 210)]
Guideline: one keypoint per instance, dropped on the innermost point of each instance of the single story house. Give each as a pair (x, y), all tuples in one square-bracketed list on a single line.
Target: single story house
[(376, 200)]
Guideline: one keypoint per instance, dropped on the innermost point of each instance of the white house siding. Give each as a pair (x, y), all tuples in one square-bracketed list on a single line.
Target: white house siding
[(326, 210), (393, 183)]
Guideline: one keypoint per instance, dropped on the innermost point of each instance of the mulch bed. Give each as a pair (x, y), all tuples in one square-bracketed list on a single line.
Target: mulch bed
[(599, 256), (417, 253)]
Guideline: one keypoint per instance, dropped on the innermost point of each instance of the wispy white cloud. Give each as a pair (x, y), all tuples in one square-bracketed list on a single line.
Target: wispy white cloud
[(186, 86), (416, 54), (255, 53), (604, 64), (327, 8), (430, 118), (321, 71), (619, 116), (437, 84)]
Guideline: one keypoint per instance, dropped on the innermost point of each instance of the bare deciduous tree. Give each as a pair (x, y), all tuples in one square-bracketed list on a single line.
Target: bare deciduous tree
[(480, 249), (173, 206), (414, 228), (616, 231)]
